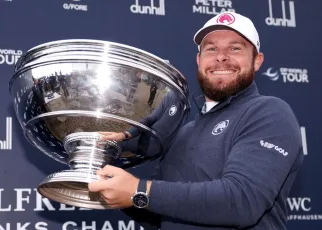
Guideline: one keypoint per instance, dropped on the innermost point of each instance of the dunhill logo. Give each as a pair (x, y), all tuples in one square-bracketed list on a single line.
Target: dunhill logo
[(152, 9), (271, 21)]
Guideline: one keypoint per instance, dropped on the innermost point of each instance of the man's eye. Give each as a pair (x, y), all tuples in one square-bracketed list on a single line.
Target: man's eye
[(235, 48)]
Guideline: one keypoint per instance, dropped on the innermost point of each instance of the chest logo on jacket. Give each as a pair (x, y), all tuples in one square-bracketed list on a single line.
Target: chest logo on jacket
[(172, 110), (220, 127)]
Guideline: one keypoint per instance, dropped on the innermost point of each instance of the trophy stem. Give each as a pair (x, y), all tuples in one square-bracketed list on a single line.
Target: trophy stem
[(86, 155), (87, 160)]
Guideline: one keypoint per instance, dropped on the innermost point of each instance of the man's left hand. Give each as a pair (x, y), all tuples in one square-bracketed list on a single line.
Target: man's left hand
[(116, 186)]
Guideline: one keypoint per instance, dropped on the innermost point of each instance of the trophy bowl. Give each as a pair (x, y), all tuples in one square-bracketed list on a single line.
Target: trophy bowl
[(66, 92)]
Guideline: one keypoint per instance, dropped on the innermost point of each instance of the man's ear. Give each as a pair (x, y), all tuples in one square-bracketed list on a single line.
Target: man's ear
[(259, 59), (197, 58)]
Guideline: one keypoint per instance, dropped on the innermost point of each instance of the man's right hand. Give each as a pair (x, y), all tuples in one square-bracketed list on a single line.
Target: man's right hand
[(113, 136)]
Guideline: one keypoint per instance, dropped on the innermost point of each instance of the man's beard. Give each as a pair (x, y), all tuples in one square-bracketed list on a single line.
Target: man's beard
[(220, 93)]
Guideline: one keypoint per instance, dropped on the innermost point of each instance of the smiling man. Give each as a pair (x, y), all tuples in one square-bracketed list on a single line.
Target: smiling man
[(234, 165), (229, 56)]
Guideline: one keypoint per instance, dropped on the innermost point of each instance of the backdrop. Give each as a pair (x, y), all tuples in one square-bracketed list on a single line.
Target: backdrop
[(290, 34)]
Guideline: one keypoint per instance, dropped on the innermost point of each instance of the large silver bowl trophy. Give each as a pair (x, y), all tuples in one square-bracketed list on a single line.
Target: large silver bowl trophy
[(66, 91)]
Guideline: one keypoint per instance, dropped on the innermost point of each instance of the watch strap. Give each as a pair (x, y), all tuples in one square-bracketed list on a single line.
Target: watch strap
[(126, 135), (142, 186)]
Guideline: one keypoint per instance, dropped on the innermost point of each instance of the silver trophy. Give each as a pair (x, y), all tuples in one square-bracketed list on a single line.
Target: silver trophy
[(66, 91)]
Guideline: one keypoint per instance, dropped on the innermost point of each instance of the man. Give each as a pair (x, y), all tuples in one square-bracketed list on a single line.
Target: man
[(153, 91), (38, 94), (134, 80), (234, 165)]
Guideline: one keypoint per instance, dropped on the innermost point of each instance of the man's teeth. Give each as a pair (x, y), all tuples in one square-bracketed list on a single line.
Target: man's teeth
[(222, 72)]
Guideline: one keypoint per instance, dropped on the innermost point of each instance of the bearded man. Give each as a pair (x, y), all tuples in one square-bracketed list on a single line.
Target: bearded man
[(234, 165)]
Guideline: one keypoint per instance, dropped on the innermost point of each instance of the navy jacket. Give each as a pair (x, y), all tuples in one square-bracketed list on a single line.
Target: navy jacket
[(165, 120), (231, 168)]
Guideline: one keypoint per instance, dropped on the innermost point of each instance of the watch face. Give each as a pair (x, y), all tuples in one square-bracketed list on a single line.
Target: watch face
[(140, 200)]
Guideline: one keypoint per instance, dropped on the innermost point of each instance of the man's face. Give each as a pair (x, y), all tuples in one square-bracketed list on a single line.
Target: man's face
[(226, 64)]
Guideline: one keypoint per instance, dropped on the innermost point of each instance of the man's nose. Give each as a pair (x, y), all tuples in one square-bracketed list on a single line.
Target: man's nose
[(222, 56)]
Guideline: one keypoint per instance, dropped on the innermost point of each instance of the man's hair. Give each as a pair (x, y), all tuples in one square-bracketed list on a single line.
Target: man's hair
[(254, 53)]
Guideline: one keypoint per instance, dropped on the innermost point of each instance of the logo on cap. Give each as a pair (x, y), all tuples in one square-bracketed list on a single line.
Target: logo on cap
[(226, 19)]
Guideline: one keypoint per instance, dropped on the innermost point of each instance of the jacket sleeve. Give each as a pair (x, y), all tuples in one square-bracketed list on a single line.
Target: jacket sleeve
[(149, 120), (265, 152)]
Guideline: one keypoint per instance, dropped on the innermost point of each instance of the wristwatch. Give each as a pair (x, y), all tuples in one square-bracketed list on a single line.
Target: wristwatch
[(140, 198), (126, 136)]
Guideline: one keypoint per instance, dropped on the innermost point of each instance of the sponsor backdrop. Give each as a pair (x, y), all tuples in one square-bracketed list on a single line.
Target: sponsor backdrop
[(289, 33)]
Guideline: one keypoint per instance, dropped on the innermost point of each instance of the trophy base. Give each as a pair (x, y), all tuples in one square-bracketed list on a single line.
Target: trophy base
[(71, 187)]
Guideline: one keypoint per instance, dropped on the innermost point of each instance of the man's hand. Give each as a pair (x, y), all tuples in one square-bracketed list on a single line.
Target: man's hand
[(116, 190), (112, 136)]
